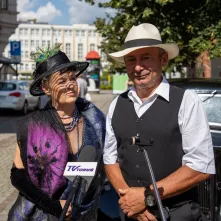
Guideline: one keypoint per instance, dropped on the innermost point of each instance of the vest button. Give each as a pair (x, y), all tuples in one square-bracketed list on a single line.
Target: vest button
[(137, 166), (138, 180), (137, 120), (138, 150)]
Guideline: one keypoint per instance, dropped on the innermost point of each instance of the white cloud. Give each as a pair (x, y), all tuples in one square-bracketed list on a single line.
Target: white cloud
[(81, 12), (45, 13), (23, 5)]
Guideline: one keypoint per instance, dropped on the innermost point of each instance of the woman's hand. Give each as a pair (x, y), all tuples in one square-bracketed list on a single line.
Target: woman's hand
[(62, 202)]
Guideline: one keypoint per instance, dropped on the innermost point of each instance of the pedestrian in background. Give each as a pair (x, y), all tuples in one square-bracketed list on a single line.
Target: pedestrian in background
[(172, 119), (82, 86)]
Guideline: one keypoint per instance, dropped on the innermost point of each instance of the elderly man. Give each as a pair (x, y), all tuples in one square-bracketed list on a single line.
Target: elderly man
[(174, 119)]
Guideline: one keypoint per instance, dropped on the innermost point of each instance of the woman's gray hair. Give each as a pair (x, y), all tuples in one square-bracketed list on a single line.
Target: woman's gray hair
[(45, 80)]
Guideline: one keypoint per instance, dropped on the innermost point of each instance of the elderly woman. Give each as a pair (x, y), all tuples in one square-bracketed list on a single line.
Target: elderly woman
[(49, 138)]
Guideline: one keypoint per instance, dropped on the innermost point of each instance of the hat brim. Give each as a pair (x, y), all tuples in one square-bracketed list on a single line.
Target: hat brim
[(36, 88), (171, 49)]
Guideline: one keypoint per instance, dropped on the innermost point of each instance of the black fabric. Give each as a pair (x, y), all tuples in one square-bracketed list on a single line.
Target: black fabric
[(160, 124), (141, 42), (21, 182)]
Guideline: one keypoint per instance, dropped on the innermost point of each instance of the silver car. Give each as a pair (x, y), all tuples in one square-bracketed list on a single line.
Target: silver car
[(15, 95)]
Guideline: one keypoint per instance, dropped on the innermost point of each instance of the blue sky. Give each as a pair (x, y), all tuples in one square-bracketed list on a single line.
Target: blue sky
[(63, 12)]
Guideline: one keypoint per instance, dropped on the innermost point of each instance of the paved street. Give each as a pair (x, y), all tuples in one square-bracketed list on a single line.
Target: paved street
[(8, 120)]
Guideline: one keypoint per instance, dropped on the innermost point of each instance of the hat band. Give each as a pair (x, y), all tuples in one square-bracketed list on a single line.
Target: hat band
[(141, 42)]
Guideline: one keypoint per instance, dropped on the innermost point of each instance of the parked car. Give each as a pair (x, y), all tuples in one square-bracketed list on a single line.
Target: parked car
[(209, 90), (15, 95)]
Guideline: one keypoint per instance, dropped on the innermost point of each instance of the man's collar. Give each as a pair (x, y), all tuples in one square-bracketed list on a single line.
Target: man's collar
[(162, 90)]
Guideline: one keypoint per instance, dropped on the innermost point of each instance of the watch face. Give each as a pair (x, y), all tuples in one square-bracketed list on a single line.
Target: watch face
[(150, 200)]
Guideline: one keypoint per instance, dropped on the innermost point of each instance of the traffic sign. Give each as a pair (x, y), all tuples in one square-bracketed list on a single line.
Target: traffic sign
[(15, 49)]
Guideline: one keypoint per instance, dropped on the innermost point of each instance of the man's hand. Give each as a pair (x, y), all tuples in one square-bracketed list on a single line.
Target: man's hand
[(62, 202), (145, 216), (132, 200)]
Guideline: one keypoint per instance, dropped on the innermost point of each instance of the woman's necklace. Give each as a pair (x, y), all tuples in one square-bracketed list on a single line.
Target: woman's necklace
[(70, 126), (75, 118)]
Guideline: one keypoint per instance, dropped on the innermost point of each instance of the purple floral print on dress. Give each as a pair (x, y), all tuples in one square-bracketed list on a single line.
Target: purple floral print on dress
[(47, 154)]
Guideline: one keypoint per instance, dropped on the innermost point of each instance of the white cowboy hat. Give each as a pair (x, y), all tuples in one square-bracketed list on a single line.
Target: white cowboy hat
[(144, 36)]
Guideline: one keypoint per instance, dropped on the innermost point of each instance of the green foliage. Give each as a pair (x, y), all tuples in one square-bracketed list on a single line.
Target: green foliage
[(105, 87), (195, 25)]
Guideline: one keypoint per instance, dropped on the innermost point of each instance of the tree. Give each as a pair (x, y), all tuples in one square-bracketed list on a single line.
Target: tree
[(195, 25)]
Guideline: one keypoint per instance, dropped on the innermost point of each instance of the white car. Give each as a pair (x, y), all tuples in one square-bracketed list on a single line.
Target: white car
[(15, 95)]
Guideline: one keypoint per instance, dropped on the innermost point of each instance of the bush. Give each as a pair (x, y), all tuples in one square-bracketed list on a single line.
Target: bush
[(105, 87)]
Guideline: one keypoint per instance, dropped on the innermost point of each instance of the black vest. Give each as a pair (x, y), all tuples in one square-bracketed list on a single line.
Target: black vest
[(160, 124)]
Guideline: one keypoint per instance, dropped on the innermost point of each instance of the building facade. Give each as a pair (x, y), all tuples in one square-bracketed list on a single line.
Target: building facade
[(77, 40), (8, 21)]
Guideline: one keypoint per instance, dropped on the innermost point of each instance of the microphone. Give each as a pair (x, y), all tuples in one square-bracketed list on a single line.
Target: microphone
[(81, 174)]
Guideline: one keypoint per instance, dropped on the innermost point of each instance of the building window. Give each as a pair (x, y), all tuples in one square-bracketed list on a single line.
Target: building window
[(21, 67), (92, 34), (65, 32), (26, 67), (32, 66), (48, 42), (32, 43), (26, 54), (77, 33), (4, 4), (80, 51), (37, 32), (82, 33), (37, 43), (43, 43), (32, 32), (26, 43), (43, 32), (25, 31), (68, 50), (89, 33), (21, 31), (22, 54), (48, 32), (92, 47), (70, 33)]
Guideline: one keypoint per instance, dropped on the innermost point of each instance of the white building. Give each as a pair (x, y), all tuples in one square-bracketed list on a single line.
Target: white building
[(77, 40), (8, 21)]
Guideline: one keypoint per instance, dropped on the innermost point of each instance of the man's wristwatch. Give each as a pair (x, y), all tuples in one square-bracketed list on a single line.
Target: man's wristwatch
[(149, 198)]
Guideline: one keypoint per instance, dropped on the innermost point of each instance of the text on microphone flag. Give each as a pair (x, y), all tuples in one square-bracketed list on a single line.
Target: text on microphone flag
[(80, 169)]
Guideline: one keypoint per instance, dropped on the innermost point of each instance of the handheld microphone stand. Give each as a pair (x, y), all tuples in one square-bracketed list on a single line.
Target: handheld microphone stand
[(75, 185), (136, 141)]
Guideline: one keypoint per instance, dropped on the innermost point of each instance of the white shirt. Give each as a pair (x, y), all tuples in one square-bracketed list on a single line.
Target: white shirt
[(193, 124)]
